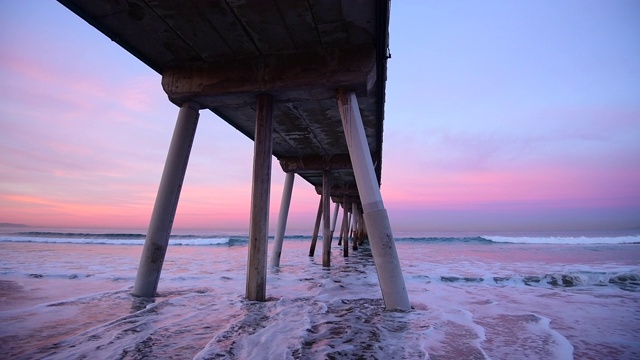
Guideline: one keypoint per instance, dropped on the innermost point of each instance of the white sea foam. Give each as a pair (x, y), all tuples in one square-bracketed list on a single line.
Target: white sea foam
[(200, 241), (581, 240), (320, 313)]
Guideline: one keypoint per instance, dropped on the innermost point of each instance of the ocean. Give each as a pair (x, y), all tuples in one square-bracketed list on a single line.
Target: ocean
[(65, 294)]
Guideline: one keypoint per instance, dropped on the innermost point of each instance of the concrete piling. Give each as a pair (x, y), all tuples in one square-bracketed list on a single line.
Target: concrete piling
[(260, 191), (282, 219), (334, 219), (381, 239), (316, 229), (326, 210), (355, 215), (345, 224), (344, 217), (164, 210)]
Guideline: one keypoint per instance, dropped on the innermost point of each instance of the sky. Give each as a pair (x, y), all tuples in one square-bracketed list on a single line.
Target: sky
[(500, 116)]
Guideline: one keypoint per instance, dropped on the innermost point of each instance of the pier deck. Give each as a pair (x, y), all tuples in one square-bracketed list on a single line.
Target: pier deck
[(222, 53), (305, 80)]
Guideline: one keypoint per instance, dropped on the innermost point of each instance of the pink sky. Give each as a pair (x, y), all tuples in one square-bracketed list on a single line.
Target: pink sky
[(494, 121)]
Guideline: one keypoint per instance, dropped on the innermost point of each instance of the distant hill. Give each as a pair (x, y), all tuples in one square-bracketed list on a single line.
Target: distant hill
[(13, 225)]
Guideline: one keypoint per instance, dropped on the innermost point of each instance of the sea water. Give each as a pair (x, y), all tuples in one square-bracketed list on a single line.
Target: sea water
[(66, 295)]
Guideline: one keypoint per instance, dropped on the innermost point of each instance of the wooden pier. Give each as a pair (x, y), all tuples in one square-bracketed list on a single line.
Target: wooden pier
[(304, 79)]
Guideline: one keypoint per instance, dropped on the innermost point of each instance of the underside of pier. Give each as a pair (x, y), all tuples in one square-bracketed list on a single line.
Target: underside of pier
[(305, 80), (222, 53)]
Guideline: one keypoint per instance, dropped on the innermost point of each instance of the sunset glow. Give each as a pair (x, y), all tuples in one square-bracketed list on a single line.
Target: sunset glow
[(498, 116)]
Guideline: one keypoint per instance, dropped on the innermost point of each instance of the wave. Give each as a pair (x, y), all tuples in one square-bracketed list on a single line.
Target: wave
[(435, 239), (70, 235), (116, 238), (579, 240), (200, 240)]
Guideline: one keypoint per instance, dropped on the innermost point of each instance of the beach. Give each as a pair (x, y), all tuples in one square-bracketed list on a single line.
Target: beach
[(66, 295)]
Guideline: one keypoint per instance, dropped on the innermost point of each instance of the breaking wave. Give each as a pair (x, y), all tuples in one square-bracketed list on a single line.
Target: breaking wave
[(116, 238), (560, 240), (204, 240)]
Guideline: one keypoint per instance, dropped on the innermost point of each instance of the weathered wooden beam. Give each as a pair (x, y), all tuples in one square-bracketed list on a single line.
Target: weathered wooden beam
[(353, 67)]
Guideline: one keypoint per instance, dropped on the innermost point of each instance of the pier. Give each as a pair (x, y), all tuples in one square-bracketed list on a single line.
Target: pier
[(305, 80)]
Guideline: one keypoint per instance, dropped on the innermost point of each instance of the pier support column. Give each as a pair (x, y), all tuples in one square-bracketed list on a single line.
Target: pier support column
[(256, 289), (345, 225), (282, 219), (316, 229), (355, 215), (326, 218), (341, 235), (347, 233), (334, 219), (381, 239), (164, 210)]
